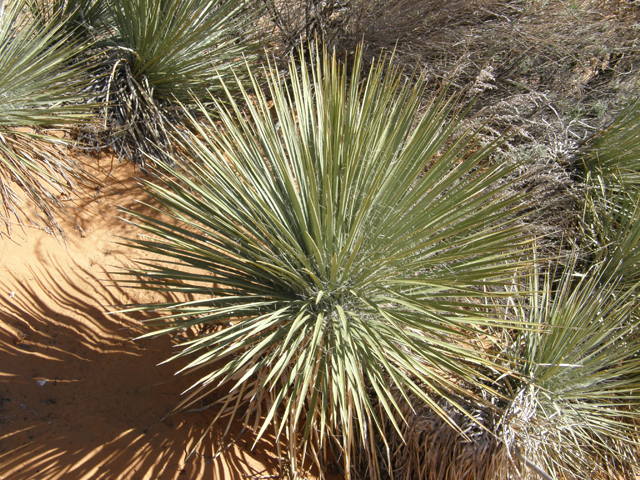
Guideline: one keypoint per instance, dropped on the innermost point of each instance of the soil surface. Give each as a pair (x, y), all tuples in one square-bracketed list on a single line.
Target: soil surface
[(79, 399)]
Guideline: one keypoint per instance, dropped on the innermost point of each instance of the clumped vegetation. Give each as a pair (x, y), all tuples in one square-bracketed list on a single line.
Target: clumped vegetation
[(39, 87), (151, 59), (576, 415), (341, 267), (419, 265), (159, 55)]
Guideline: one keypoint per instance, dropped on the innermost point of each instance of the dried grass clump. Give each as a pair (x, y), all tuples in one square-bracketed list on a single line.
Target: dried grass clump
[(553, 73), (562, 441), (496, 46), (556, 71), (381, 25), (553, 214), (428, 448)]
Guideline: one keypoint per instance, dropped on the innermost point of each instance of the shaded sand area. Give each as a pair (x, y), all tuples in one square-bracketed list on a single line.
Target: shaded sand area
[(78, 398)]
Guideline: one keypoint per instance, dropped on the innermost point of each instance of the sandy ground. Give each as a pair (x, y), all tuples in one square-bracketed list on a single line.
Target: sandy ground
[(78, 398)]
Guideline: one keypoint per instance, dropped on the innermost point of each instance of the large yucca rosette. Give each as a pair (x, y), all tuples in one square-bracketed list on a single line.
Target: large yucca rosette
[(337, 243)]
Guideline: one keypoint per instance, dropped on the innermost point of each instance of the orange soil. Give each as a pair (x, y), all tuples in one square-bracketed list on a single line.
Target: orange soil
[(78, 398)]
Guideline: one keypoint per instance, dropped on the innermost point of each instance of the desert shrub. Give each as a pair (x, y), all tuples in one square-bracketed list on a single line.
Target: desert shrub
[(555, 73), (576, 415), (151, 56), (608, 165), (553, 49), (409, 26), (162, 53), (611, 157), (340, 247), (39, 88)]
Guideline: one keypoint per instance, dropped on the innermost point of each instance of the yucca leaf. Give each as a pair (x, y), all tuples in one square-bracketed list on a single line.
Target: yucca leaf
[(612, 224), (610, 163), (40, 85), (613, 154)]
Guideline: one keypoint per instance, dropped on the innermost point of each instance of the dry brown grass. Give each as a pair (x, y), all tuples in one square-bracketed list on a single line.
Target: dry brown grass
[(555, 70), (430, 449)]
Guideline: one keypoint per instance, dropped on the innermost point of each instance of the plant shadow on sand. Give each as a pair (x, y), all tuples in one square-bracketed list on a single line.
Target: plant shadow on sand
[(79, 399)]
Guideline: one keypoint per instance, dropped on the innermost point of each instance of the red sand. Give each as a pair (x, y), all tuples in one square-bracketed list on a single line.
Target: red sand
[(78, 398)]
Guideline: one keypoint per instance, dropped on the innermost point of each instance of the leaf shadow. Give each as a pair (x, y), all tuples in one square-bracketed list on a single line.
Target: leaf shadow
[(82, 400)]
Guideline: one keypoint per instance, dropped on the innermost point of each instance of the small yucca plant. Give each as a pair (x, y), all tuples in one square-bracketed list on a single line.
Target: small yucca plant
[(614, 222), (612, 156), (611, 171), (577, 413), (181, 47), (339, 245), (159, 53), (40, 84)]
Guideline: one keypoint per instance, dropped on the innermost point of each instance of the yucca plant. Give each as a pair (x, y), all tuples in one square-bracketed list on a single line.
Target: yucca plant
[(612, 156), (577, 412), (159, 53), (338, 244), (40, 86), (181, 47), (610, 166), (613, 223)]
